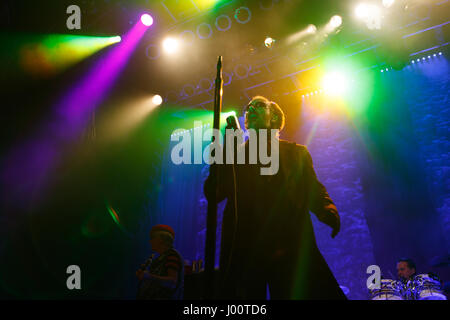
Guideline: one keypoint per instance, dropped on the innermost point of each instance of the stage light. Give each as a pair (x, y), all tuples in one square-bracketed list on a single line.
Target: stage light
[(440, 53), (335, 21), (370, 14), (335, 83), (388, 3), (170, 45), (362, 10), (269, 42), (311, 29), (115, 39), (45, 55), (157, 100), (146, 19)]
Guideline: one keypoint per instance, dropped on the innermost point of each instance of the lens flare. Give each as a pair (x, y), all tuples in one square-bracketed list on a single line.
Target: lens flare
[(335, 83), (171, 45)]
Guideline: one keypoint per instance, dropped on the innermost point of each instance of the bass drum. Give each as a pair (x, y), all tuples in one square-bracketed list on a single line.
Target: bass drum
[(428, 287), (389, 290)]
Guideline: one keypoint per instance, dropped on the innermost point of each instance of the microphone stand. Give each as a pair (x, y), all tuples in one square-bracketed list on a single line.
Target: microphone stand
[(211, 220)]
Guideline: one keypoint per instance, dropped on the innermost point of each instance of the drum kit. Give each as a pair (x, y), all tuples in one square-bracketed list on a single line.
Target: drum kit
[(420, 287), (426, 286)]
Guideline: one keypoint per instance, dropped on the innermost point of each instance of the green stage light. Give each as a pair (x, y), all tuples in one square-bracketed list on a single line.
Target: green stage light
[(50, 54)]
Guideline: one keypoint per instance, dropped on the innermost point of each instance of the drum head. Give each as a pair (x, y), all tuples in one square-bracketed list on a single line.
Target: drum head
[(428, 287), (389, 290)]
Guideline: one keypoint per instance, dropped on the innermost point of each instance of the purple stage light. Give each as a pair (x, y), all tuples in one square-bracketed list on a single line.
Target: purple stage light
[(146, 19), (28, 166)]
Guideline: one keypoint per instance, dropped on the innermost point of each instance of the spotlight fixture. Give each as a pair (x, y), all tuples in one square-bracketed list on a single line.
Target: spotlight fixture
[(269, 42), (335, 21), (146, 19), (157, 100), (116, 39), (311, 28)]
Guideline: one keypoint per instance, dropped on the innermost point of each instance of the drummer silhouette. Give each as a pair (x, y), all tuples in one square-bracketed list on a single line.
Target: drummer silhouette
[(409, 286), (424, 286), (406, 269)]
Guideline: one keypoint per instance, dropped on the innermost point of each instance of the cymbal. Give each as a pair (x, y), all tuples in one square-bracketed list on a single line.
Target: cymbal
[(441, 261)]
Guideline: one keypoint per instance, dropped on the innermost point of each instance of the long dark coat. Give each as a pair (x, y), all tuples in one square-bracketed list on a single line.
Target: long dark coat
[(270, 237)]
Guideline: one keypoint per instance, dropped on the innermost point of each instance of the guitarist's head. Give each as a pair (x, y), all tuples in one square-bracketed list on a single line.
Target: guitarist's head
[(161, 238)]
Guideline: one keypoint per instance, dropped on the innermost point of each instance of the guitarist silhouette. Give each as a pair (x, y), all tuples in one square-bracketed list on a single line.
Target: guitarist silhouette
[(164, 279)]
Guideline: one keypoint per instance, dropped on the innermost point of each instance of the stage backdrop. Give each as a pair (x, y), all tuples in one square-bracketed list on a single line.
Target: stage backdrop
[(386, 168)]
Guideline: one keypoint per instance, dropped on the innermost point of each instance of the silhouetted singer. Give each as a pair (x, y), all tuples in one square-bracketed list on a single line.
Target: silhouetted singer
[(270, 239)]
